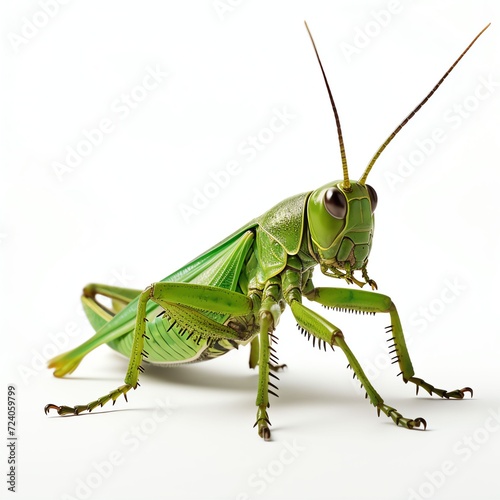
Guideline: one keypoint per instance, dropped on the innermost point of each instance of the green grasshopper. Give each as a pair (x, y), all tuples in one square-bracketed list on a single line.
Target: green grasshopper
[(235, 292)]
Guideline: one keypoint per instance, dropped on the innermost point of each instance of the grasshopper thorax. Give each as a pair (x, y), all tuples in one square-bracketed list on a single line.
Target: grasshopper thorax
[(341, 223)]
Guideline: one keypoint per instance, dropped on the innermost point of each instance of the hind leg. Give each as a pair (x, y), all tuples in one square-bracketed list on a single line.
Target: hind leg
[(104, 321), (99, 314), (182, 303)]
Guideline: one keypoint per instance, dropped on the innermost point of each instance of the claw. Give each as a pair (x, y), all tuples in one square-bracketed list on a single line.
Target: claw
[(418, 421), (467, 389), (61, 410), (263, 429), (51, 407), (459, 393), (265, 433)]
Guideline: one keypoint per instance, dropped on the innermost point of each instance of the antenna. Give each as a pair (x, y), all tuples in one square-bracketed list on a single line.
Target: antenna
[(414, 112), (346, 184)]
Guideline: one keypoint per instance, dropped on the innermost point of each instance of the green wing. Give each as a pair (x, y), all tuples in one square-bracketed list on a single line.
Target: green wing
[(220, 266), (278, 233)]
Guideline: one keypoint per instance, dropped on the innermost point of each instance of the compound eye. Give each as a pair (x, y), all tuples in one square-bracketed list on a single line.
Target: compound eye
[(335, 203), (373, 197)]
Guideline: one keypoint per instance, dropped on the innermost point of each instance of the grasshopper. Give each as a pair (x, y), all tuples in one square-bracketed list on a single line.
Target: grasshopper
[(235, 292)]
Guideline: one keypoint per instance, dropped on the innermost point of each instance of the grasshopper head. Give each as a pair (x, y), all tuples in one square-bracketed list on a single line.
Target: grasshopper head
[(341, 223), (340, 214)]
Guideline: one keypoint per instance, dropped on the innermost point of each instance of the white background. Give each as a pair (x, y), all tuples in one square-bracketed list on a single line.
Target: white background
[(116, 218)]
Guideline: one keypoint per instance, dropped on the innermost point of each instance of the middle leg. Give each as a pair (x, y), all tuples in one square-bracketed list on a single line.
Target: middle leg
[(269, 314)]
